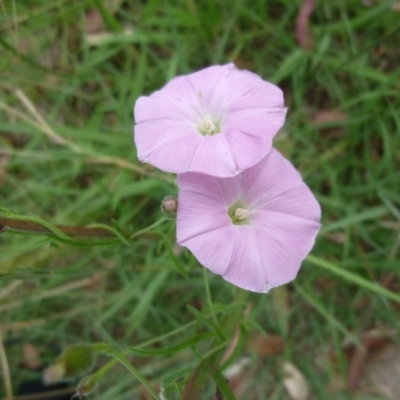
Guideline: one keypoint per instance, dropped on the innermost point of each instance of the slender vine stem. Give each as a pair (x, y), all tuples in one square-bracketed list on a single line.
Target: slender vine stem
[(33, 227), (22, 225)]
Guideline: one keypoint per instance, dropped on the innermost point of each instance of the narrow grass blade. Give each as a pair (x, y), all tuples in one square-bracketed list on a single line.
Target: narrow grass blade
[(353, 278), (122, 359)]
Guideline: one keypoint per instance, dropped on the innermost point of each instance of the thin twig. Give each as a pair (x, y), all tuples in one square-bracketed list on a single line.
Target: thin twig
[(10, 288), (49, 293), (41, 124), (46, 129), (19, 325), (56, 138)]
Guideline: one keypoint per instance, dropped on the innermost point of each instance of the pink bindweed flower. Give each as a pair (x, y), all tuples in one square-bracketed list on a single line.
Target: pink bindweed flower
[(218, 121), (253, 229)]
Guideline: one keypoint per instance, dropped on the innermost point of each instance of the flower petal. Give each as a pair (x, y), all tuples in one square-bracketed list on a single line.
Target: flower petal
[(213, 249), (157, 107), (237, 89), (298, 201), (245, 149), (174, 146), (250, 133), (284, 241), (246, 266), (209, 85), (225, 192), (257, 121), (154, 139), (213, 157), (202, 221), (274, 184), (247, 90), (201, 184), (199, 212)]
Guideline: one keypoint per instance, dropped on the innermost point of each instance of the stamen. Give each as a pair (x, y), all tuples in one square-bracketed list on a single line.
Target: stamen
[(241, 213), (207, 126)]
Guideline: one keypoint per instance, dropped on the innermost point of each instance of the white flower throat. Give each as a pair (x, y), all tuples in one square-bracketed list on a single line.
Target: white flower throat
[(207, 126), (238, 214)]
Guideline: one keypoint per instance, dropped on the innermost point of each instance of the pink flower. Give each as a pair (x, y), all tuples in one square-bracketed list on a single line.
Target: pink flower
[(218, 121), (253, 229)]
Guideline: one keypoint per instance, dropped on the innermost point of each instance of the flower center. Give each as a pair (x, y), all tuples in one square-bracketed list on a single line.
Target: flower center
[(207, 126), (241, 213), (238, 214)]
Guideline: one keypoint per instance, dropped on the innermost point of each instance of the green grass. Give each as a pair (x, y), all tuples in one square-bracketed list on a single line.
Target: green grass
[(74, 163)]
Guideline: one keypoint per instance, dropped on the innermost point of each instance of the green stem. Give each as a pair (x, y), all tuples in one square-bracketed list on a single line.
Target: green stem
[(208, 293), (145, 231)]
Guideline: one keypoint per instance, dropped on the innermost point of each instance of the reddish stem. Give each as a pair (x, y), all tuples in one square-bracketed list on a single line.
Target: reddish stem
[(24, 226)]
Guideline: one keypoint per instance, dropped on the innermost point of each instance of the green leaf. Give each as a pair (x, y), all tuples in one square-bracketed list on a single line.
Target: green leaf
[(223, 386)]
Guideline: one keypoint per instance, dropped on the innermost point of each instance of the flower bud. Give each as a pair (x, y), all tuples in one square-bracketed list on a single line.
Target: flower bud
[(75, 360), (86, 386), (169, 206)]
